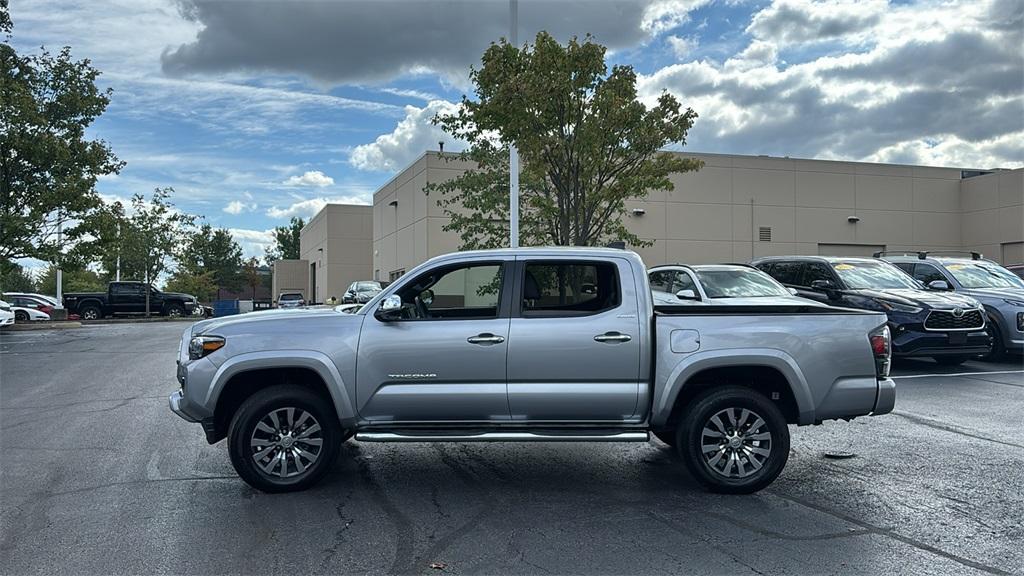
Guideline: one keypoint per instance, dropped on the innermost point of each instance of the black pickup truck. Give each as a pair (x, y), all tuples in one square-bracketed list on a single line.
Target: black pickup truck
[(127, 298)]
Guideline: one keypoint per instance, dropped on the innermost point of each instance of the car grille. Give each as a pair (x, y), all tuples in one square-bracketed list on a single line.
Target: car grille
[(946, 320)]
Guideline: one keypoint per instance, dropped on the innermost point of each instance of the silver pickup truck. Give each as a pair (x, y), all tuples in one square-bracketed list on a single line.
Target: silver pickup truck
[(535, 344)]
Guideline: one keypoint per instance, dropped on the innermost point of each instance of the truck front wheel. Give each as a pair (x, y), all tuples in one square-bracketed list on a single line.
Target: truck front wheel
[(733, 440), (284, 439)]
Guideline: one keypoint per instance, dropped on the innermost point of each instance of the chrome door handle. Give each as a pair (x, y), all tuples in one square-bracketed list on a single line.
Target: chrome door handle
[(613, 337), (485, 339)]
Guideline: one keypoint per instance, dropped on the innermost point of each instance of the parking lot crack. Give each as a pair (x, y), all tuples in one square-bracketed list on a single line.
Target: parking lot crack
[(924, 421)]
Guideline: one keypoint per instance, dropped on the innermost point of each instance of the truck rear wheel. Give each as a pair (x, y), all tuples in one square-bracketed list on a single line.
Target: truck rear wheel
[(284, 439), (174, 310), (733, 440), (90, 312)]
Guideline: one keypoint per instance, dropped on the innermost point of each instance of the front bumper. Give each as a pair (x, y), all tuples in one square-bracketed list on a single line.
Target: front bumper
[(910, 343), (885, 400), (178, 405)]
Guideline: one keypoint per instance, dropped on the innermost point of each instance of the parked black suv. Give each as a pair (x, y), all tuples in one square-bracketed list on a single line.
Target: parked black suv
[(945, 326)]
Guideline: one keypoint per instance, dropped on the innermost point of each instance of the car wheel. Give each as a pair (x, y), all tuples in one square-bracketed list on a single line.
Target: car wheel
[(284, 439), (950, 360), (998, 350), (733, 440), (20, 316), (90, 313), (175, 310), (666, 436)]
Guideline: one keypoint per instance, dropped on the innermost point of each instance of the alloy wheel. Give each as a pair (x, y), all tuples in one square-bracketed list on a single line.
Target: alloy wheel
[(286, 442), (735, 442)]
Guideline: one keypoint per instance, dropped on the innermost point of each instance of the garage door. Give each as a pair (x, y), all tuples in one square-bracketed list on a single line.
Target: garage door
[(848, 249), (1013, 253)]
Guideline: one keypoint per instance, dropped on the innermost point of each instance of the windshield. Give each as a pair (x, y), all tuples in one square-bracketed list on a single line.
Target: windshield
[(873, 275), (739, 284), (293, 296), (367, 286), (983, 275)]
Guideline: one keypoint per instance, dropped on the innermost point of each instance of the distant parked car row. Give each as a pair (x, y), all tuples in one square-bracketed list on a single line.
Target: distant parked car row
[(28, 307), (947, 308)]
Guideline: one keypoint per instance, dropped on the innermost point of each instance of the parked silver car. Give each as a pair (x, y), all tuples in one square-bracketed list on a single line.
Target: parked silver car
[(1000, 291), (538, 344), (733, 284)]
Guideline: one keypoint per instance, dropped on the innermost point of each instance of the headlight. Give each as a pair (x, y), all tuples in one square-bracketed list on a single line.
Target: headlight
[(1014, 302), (202, 345), (897, 307)]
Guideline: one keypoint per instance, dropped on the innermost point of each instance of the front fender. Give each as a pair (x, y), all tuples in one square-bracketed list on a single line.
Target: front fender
[(310, 359), (680, 374)]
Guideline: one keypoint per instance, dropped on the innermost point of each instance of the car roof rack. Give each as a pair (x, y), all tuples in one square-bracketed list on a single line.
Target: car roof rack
[(921, 255)]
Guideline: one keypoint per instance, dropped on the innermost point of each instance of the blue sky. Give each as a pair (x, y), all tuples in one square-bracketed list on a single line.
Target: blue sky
[(257, 111)]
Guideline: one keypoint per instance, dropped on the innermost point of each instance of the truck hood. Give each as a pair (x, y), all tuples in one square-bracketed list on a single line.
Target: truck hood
[(910, 297), (265, 321)]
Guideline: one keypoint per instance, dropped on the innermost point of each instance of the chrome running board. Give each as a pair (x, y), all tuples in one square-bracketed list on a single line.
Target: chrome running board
[(468, 436)]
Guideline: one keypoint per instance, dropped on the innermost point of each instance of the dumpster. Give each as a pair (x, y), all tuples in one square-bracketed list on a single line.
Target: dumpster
[(225, 308)]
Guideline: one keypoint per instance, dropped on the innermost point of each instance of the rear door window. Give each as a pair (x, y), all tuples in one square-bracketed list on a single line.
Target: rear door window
[(786, 272), (551, 289)]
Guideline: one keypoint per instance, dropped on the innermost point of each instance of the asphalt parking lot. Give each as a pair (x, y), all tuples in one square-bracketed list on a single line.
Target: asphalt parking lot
[(98, 477)]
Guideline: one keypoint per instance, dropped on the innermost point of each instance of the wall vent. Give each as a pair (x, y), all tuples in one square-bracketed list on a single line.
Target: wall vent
[(764, 234)]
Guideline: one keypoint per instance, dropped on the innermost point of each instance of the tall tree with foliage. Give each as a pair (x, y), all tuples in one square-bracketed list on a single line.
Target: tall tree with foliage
[(198, 284), (286, 241), (252, 276), (48, 167), (213, 251), (75, 278), (14, 278), (586, 145), (152, 234)]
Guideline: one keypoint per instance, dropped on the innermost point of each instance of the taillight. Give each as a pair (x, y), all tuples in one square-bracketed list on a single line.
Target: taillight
[(881, 347), (46, 309)]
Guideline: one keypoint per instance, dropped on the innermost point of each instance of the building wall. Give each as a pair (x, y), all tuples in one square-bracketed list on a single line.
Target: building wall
[(718, 213), (289, 276), (337, 244)]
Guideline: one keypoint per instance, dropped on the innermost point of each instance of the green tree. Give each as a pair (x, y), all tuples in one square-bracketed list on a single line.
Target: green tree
[(251, 274), (152, 234), (199, 284), (48, 167), (74, 278), (213, 251), (14, 278), (286, 241), (586, 145)]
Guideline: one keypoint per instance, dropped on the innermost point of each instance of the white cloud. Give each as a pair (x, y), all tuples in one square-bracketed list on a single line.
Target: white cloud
[(308, 208), (252, 242), (795, 21), (237, 207), (414, 134), (314, 178), (682, 46), (664, 15), (883, 90)]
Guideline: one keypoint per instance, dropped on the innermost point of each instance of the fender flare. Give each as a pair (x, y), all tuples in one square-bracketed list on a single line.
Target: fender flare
[(91, 302), (309, 359), (684, 371)]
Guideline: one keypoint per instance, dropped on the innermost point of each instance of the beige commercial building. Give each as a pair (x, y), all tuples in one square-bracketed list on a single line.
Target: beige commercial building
[(740, 207), (289, 276), (336, 245)]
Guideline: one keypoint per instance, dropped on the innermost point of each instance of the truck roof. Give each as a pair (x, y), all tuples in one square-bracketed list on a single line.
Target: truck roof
[(555, 251)]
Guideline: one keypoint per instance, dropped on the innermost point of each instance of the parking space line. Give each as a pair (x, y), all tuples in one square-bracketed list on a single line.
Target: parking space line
[(958, 374)]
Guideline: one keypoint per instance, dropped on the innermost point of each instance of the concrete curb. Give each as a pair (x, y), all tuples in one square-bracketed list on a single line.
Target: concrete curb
[(141, 320), (51, 325)]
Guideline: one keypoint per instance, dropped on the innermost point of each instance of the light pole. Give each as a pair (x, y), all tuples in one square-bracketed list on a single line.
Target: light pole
[(513, 153)]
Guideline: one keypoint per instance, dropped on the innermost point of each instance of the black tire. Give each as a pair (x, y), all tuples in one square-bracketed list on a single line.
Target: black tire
[(950, 360), (667, 436), (174, 310), (998, 349), (690, 436), (90, 312), (259, 406), (20, 316)]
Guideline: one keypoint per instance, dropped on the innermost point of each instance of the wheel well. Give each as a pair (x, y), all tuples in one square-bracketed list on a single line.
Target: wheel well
[(244, 384), (763, 379)]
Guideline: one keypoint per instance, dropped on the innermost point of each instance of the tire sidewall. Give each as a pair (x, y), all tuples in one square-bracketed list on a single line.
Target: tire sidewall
[(702, 408), (20, 316), (85, 310), (255, 408)]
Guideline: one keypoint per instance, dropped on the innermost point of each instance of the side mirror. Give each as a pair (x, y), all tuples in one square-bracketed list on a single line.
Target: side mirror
[(390, 308), (825, 286), (941, 285), (686, 295)]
